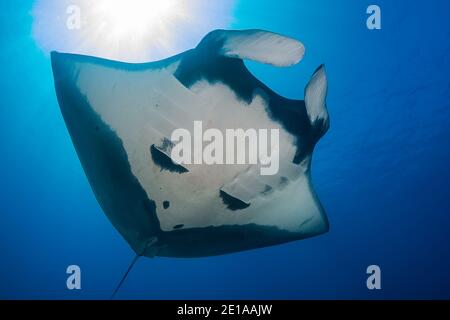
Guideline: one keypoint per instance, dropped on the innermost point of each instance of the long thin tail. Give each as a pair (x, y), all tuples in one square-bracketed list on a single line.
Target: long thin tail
[(125, 276)]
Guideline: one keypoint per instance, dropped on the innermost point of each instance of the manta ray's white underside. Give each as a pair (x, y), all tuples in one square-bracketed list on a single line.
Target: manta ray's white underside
[(118, 114)]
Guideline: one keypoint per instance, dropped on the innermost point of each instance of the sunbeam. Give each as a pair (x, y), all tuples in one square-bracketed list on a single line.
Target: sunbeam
[(127, 30)]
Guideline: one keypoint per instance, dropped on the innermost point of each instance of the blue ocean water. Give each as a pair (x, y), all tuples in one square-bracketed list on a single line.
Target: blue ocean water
[(381, 172)]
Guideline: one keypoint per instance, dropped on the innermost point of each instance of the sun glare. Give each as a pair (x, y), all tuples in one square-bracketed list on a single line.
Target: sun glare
[(135, 16), (133, 24), (127, 30)]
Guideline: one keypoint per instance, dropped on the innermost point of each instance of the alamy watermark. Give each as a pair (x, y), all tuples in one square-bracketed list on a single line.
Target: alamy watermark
[(374, 280), (73, 21), (374, 20), (236, 146), (73, 281)]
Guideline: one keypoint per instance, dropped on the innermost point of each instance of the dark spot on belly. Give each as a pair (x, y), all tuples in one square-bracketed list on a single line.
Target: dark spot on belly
[(165, 162), (178, 226), (233, 203), (306, 221), (284, 181), (267, 190), (166, 145), (166, 204)]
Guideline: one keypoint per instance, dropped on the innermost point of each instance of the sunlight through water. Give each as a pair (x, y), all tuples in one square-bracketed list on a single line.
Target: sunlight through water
[(127, 30)]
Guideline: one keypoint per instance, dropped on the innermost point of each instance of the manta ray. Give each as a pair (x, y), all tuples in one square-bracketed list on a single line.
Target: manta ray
[(120, 117)]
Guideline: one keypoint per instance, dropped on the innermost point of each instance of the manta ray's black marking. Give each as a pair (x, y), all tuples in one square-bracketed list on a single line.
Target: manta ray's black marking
[(178, 226), (166, 204), (267, 189), (284, 181), (306, 221), (233, 203), (166, 145), (190, 242), (164, 162)]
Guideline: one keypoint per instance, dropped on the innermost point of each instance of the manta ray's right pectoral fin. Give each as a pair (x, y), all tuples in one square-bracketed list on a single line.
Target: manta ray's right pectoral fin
[(257, 45)]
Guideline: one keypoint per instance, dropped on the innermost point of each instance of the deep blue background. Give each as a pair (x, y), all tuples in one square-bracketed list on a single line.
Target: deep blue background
[(382, 171)]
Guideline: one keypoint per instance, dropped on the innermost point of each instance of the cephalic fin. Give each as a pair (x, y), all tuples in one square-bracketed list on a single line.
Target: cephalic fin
[(257, 45), (315, 99)]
